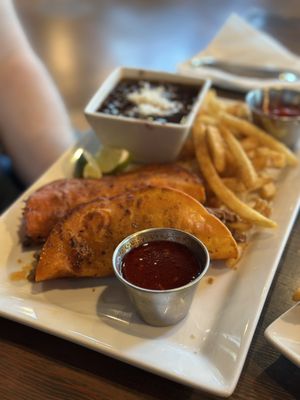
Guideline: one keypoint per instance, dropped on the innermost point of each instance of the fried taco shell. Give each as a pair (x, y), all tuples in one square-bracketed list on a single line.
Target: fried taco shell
[(53, 201), (82, 244)]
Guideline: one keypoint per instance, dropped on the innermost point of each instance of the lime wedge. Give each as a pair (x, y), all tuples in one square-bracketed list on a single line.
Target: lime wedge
[(79, 165), (110, 159), (91, 169), (107, 160)]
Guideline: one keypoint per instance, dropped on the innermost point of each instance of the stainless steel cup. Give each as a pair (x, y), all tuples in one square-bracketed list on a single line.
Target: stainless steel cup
[(283, 128), (161, 307)]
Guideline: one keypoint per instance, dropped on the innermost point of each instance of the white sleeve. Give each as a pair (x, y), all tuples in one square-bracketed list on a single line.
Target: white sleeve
[(11, 34), (34, 125)]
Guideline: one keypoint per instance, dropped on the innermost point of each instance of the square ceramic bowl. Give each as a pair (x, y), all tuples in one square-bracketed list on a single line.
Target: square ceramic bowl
[(146, 140)]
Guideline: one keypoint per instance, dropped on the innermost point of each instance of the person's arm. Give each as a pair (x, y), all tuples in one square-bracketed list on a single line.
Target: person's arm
[(34, 125)]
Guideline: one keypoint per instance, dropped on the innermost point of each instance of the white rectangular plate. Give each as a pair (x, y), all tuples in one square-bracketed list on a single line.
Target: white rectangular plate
[(206, 350), (284, 334)]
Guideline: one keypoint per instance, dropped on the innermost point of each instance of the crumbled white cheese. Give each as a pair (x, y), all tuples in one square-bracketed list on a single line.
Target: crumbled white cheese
[(153, 101)]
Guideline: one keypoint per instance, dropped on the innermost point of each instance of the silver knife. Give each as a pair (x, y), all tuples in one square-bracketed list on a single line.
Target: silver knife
[(248, 71)]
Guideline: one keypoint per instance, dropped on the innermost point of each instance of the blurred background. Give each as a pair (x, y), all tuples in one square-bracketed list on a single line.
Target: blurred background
[(81, 41)]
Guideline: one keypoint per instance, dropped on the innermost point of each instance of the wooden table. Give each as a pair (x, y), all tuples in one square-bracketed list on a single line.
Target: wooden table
[(81, 42)]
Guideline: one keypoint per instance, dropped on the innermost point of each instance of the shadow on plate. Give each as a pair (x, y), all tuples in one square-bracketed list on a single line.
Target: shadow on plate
[(115, 309), (68, 284)]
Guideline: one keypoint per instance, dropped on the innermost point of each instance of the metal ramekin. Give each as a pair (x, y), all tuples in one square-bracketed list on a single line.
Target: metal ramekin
[(161, 307), (283, 128)]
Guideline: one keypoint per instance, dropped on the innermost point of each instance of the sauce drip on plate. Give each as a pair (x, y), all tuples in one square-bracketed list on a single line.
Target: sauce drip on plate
[(160, 265)]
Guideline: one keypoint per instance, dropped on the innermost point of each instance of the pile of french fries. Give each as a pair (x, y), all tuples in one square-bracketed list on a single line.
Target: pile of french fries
[(239, 162)]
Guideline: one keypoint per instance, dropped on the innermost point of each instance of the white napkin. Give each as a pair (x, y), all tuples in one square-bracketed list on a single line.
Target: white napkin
[(239, 42)]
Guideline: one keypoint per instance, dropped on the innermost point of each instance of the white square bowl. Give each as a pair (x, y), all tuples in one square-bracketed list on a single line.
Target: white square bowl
[(147, 141)]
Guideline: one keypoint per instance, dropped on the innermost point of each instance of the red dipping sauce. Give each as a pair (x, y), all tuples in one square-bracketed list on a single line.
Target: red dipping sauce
[(285, 111), (160, 265)]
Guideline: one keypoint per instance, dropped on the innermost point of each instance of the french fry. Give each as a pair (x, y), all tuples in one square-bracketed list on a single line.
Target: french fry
[(249, 143), (230, 161), (268, 191), (234, 184), (274, 159), (261, 162), (245, 166), (262, 206), (207, 119), (238, 109), (212, 104), (217, 148), (296, 295), (218, 187), (249, 129)]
